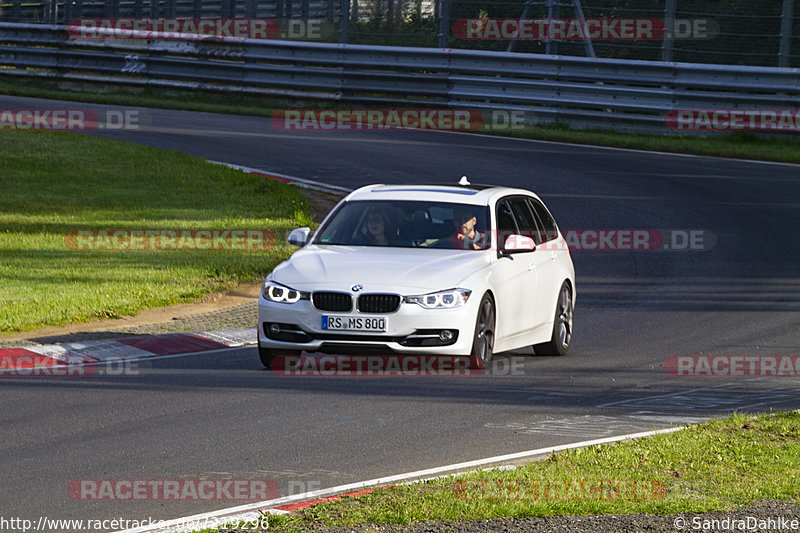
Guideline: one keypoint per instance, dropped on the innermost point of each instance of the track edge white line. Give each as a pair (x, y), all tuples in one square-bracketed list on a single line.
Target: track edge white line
[(231, 513)]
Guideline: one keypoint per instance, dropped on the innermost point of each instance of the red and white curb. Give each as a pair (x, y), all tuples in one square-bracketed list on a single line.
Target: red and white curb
[(254, 511), (14, 359)]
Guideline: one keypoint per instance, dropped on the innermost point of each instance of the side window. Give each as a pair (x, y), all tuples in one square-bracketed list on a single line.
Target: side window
[(505, 223), (549, 228), (525, 219)]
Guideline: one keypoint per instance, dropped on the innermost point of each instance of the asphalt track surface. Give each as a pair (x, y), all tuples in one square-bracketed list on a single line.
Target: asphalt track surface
[(220, 415)]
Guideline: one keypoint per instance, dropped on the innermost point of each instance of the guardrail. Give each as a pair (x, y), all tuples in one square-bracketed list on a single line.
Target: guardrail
[(581, 92), (63, 11)]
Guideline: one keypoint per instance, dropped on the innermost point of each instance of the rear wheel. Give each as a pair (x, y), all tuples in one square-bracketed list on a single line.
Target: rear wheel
[(483, 340), (562, 326)]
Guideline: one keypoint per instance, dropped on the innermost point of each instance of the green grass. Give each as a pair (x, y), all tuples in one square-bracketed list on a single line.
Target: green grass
[(54, 182), (715, 466), (734, 145)]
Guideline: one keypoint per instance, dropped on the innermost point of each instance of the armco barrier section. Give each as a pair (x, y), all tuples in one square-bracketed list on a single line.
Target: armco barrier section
[(581, 92)]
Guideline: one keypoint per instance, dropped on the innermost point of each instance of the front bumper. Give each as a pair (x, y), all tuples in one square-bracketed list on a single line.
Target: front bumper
[(409, 329)]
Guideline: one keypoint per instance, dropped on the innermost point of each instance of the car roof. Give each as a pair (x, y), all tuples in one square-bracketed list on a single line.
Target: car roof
[(435, 192)]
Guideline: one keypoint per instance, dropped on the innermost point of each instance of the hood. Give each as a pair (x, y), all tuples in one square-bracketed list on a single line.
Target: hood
[(378, 269)]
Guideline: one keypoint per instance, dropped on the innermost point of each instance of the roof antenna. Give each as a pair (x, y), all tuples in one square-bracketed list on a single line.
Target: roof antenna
[(464, 182)]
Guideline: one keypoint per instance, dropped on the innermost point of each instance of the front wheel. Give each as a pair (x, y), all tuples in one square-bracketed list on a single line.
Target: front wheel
[(267, 355), (483, 340), (562, 326)]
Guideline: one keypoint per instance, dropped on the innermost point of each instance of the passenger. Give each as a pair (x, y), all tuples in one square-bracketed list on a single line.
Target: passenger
[(378, 228)]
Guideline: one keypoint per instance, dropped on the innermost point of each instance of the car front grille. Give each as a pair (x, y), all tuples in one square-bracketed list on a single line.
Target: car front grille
[(378, 303), (295, 333), (332, 301)]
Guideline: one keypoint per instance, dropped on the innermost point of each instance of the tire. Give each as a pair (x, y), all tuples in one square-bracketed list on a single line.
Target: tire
[(267, 355), (483, 338), (561, 338)]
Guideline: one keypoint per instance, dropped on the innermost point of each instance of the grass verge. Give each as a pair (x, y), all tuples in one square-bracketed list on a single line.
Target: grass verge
[(734, 145), (715, 466), (53, 183)]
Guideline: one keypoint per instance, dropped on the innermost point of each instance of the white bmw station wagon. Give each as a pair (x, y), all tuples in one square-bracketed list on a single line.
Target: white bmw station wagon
[(461, 270)]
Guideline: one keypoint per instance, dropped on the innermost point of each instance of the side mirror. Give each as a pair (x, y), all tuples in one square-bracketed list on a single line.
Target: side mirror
[(299, 236), (515, 244)]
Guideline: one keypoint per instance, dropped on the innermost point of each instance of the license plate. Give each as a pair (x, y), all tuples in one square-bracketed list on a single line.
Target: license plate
[(353, 323)]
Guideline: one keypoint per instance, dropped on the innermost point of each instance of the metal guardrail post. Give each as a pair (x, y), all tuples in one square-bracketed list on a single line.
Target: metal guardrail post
[(669, 31), (16, 10), (553, 12), (344, 22), (227, 8), (587, 40), (525, 12), (444, 24), (52, 12), (330, 11), (67, 11), (784, 55)]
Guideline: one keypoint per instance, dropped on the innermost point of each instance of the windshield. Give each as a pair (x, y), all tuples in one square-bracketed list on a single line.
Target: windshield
[(408, 224)]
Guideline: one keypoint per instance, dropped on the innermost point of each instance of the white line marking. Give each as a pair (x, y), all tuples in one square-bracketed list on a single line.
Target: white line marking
[(302, 182), (223, 515), (635, 150)]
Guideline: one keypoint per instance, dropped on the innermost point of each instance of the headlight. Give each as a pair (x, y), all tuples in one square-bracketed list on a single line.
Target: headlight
[(275, 292), (442, 299)]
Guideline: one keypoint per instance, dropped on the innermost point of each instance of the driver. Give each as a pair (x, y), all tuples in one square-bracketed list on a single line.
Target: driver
[(466, 236)]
